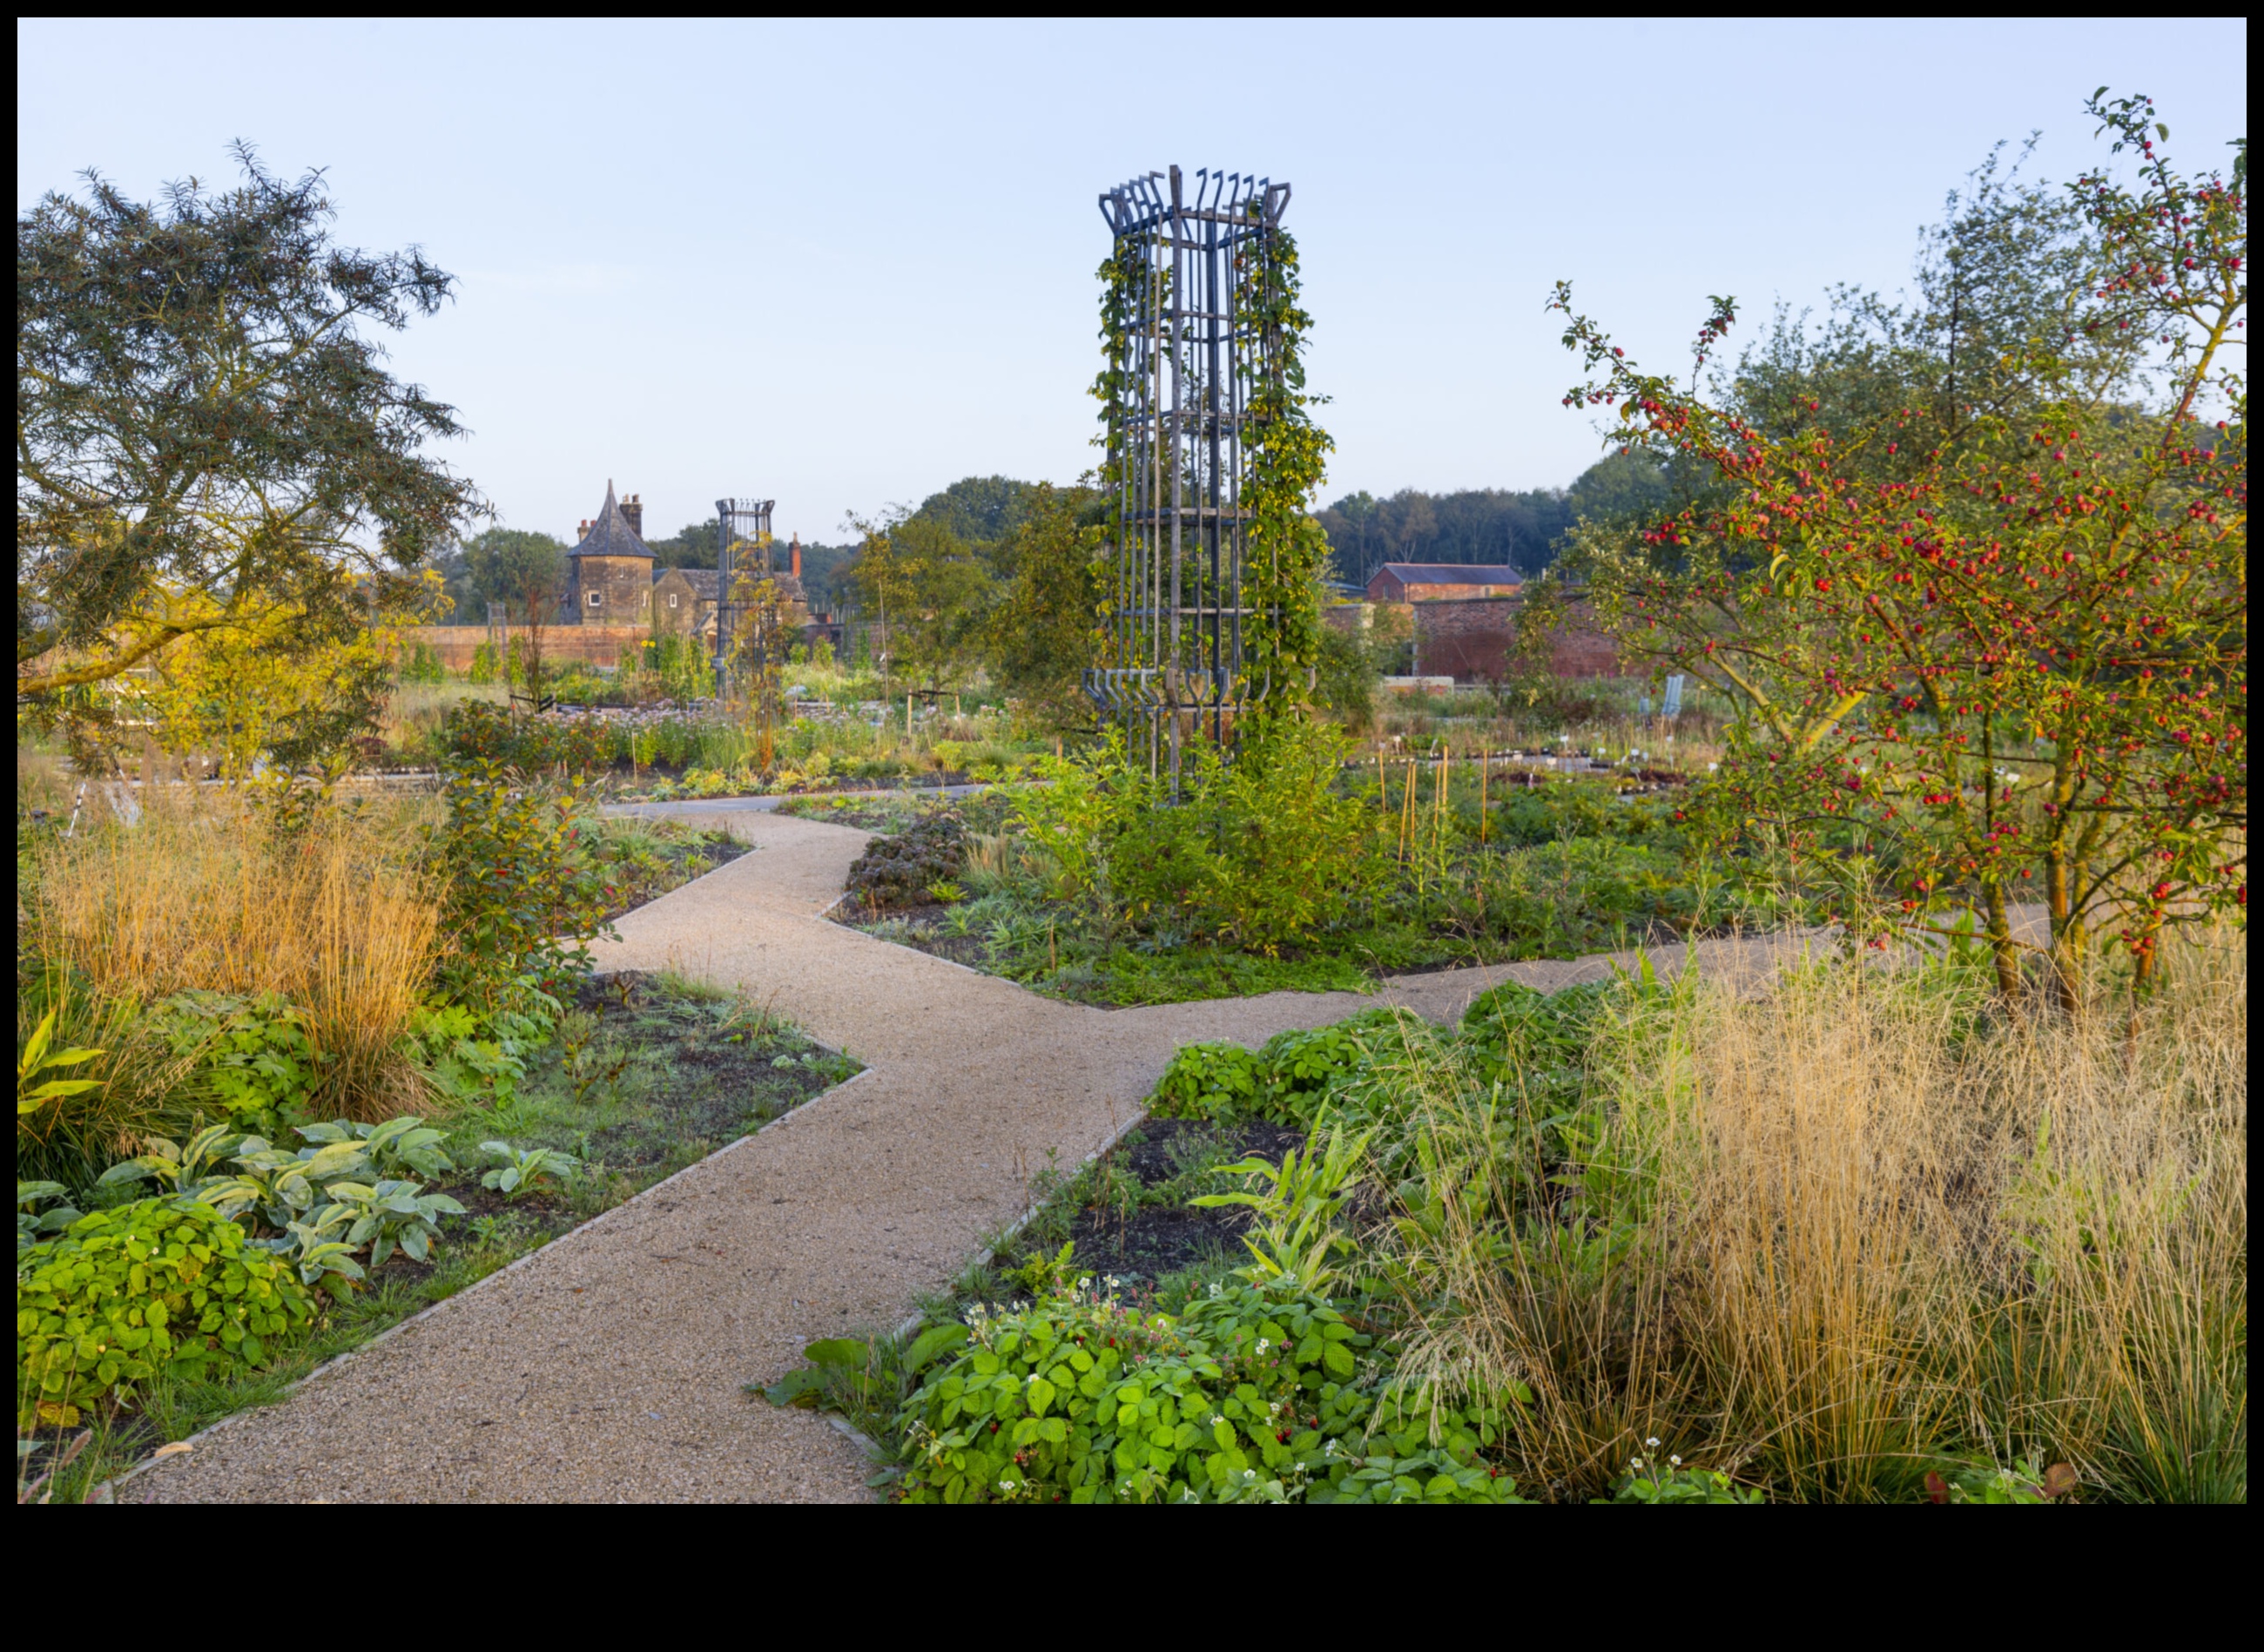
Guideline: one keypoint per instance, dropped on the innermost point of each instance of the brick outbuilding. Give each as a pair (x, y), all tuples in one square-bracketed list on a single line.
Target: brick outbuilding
[(1440, 581)]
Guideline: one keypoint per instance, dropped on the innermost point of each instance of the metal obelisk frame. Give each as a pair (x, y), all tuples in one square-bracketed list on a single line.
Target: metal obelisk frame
[(742, 545), (1190, 262)]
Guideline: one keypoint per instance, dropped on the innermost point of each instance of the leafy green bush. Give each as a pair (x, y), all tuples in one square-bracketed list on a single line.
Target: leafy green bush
[(421, 664), (163, 1285), (1255, 1396), (477, 732), (1259, 851), (1284, 1081), (524, 894), (1537, 1043), (486, 665), (1209, 1081), (251, 1055)]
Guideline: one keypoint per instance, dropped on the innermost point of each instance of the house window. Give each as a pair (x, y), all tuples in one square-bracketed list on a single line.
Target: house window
[(596, 597), (671, 598)]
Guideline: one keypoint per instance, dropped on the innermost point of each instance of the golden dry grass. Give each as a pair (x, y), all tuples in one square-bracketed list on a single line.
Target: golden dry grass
[(209, 893), (1833, 1235)]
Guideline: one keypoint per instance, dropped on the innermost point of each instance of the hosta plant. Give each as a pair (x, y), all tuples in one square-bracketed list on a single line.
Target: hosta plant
[(520, 1168)]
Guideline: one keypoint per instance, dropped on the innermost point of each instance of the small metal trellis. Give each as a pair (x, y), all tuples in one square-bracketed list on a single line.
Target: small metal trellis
[(1192, 262), (743, 548)]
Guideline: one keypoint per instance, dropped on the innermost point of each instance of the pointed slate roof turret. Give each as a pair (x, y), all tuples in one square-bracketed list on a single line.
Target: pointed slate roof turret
[(611, 534)]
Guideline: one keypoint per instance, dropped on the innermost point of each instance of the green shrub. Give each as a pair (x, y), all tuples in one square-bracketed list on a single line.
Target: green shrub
[(251, 1055), (161, 1285), (1535, 1042), (478, 731), (1259, 852), (1209, 1081), (422, 664), (1284, 1081), (524, 894), (1255, 1396), (486, 665)]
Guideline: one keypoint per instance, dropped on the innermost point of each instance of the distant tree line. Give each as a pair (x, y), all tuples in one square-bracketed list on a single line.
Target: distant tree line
[(1493, 526), (987, 522)]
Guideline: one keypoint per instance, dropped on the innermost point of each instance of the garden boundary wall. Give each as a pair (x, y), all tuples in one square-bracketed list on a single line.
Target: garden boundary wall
[(587, 644), (1469, 638)]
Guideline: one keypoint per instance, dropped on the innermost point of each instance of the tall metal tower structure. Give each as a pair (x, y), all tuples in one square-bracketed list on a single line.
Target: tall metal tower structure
[(743, 547), (1191, 259)]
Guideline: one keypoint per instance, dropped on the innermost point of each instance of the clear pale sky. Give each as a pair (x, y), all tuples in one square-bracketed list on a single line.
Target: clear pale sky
[(840, 264)]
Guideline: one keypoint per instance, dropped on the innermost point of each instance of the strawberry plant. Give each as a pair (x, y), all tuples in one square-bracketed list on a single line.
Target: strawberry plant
[(1253, 1397), (165, 1284)]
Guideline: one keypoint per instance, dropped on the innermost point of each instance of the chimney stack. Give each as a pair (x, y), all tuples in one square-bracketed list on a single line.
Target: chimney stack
[(632, 512), (797, 555)]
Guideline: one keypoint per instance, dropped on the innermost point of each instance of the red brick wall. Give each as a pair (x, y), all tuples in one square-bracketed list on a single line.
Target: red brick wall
[(1469, 640), (1387, 587), (591, 644)]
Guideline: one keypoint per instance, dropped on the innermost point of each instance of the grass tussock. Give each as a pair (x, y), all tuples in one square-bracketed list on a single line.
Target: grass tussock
[(216, 894), (1836, 1236)]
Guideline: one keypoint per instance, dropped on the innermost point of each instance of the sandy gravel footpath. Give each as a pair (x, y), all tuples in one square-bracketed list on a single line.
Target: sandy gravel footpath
[(607, 1366)]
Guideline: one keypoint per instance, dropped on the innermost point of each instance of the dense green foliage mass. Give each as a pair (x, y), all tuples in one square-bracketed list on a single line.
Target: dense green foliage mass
[(160, 1285)]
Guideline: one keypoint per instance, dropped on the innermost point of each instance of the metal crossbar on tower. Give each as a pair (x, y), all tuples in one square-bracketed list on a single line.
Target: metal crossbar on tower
[(743, 547), (1188, 359)]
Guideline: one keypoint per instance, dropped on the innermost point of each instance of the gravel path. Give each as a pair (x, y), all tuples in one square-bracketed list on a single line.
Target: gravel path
[(609, 1365)]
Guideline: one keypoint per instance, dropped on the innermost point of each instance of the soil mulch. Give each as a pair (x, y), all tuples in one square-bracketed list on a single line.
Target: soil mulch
[(688, 862), (1156, 1239)]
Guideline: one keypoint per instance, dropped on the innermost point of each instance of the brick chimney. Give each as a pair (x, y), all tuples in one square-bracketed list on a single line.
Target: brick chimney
[(633, 510), (796, 548)]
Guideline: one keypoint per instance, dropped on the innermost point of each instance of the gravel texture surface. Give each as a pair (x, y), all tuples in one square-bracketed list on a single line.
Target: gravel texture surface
[(609, 1365)]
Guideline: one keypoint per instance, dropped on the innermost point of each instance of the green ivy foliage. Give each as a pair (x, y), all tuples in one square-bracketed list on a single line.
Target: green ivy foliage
[(1254, 1396), (163, 1285)]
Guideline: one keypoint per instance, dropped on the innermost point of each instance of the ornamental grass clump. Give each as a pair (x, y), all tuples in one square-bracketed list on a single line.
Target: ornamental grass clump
[(333, 914), (1838, 1236)]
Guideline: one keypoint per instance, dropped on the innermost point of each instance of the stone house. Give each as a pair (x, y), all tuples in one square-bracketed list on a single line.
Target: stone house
[(615, 579), (610, 572)]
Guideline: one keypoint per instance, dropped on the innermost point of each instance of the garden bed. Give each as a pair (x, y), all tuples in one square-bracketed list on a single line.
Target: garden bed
[(1533, 865), (648, 1075), (1128, 1216)]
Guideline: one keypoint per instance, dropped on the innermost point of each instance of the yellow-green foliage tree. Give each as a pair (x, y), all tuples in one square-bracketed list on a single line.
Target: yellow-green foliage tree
[(206, 436), (254, 690), (929, 590)]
